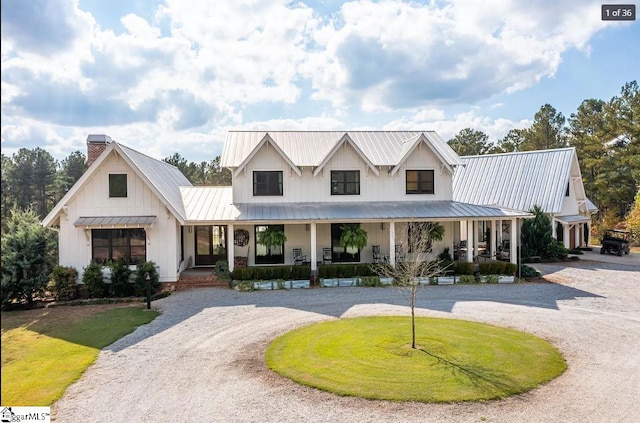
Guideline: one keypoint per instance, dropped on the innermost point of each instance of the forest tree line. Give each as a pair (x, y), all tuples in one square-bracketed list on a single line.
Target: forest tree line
[(606, 135)]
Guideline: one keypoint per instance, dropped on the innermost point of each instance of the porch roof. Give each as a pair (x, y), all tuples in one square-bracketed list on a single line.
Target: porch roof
[(342, 211), (571, 219), (115, 221)]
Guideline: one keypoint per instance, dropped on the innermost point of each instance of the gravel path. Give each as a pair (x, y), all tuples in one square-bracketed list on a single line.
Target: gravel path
[(202, 360)]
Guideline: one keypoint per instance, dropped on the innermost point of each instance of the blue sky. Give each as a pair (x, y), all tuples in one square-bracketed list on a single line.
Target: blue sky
[(176, 75)]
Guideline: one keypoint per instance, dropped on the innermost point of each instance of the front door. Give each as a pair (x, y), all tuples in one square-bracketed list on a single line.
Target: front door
[(211, 244)]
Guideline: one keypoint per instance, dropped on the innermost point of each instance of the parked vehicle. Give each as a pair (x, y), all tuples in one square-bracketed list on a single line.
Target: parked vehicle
[(615, 241)]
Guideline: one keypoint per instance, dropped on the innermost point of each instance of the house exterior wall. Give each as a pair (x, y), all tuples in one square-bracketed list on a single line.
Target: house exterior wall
[(310, 188), (92, 199), (298, 237)]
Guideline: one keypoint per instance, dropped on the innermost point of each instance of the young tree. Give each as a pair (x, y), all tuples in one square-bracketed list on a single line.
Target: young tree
[(416, 267), (26, 257)]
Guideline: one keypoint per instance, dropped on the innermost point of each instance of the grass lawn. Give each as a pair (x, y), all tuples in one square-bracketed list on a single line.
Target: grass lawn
[(46, 350), (455, 360)]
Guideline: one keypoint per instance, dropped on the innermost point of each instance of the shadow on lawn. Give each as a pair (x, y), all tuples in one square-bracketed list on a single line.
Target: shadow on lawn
[(480, 377)]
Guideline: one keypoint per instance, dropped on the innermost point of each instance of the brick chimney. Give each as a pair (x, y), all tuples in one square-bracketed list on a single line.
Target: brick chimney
[(96, 144)]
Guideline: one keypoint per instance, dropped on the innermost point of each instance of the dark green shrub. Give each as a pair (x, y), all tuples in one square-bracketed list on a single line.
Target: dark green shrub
[(364, 270), (445, 256), (462, 268), (222, 270), (510, 269), (576, 251), (528, 272), (242, 273), (466, 279), (370, 281), (492, 278), (301, 272), (120, 279), (93, 281), (26, 263), (63, 283), (555, 251), (142, 270)]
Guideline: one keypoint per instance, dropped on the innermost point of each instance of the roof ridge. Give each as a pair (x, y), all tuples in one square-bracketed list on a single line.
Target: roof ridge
[(549, 150), (145, 155)]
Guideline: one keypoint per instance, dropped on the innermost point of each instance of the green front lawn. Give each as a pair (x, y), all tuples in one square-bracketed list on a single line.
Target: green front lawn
[(45, 351), (456, 360)]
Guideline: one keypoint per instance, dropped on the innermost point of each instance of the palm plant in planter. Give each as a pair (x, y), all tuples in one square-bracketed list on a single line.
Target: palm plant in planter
[(353, 236), (272, 236)]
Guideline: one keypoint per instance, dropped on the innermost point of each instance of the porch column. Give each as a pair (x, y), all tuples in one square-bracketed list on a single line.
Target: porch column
[(230, 248), (576, 234), (513, 243), (314, 264), (553, 228), (492, 240), (476, 238), (565, 237), (470, 241), (392, 243), (588, 240), (499, 231)]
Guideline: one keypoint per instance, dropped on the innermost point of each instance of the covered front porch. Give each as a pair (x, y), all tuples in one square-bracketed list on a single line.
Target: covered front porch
[(312, 232)]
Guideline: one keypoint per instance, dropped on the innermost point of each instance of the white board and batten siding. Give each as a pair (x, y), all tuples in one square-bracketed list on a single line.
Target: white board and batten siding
[(92, 199), (310, 188)]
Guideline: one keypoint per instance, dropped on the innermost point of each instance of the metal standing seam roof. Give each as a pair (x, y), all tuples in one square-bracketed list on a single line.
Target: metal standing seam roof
[(166, 178), (574, 218), (515, 180), (213, 204), (110, 221), (590, 206), (309, 148)]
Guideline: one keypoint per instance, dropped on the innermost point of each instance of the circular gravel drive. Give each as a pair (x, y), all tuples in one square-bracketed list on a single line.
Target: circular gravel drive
[(203, 360)]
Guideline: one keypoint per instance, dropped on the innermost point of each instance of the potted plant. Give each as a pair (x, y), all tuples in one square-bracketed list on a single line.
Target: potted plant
[(272, 236), (353, 236)]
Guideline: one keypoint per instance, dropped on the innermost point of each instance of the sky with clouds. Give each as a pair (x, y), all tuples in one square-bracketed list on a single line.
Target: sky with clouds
[(175, 75)]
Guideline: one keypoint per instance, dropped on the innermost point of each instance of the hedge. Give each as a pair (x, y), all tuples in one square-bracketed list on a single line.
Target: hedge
[(271, 273)]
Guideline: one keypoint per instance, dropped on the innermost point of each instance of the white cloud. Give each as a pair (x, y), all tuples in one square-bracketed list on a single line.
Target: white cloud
[(392, 54)]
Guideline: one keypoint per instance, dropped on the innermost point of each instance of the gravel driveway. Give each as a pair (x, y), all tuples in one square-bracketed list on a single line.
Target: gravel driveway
[(202, 360)]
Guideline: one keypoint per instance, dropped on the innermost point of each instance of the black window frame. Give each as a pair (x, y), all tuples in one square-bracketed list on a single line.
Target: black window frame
[(269, 258), (272, 188), (340, 184), (111, 235), (422, 181), (340, 254), (118, 182)]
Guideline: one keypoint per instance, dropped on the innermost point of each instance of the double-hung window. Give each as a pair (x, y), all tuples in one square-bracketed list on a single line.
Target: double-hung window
[(345, 182), (420, 182), (267, 182)]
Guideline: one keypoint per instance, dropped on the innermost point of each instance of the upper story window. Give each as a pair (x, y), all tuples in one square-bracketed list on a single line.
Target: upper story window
[(345, 182), (420, 182), (567, 193), (117, 185), (267, 182)]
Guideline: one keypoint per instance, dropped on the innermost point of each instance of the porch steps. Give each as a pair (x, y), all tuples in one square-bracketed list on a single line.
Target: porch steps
[(199, 281)]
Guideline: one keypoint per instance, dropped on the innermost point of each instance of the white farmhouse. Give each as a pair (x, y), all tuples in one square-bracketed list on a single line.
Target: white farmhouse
[(308, 183)]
